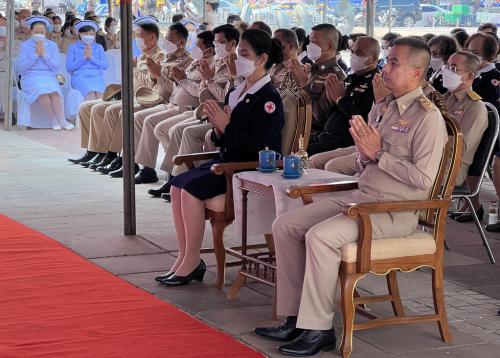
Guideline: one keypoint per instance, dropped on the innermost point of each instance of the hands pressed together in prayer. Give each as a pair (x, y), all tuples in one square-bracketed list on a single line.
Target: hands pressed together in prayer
[(335, 88), (299, 71), (380, 91), (87, 53), (230, 63), (207, 72), (178, 74), (366, 138), (154, 68), (217, 116), (40, 49)]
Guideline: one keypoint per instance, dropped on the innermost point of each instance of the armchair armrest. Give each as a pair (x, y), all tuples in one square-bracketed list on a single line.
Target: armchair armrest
[(306, 192), (221, 168), (363, 211), (189, 159)]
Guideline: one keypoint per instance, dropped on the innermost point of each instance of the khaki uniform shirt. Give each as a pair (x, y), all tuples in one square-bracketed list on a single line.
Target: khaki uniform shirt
[(180, 59), (112, 41), (19, 37), (187, 91), (470, 112), (278, 73), (57, 38), (315, 88), (413, 138), (219, 85), (142, 77)]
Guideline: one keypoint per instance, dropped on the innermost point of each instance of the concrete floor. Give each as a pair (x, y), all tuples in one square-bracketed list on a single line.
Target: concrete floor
[(83, 211)]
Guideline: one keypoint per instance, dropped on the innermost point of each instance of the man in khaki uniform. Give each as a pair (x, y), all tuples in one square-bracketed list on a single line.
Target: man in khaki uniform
[(180, 107), (322, 50), (214, 86), (91, 113), (396, 161), (160, 78), (290, 44), (22, 31)]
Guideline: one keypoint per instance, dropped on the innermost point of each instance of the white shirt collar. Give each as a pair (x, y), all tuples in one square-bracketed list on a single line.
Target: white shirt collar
[(236, 96), (485, 69), (302, 55)]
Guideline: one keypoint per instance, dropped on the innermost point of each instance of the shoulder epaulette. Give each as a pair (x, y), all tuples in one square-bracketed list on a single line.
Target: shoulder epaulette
[(473, 95)]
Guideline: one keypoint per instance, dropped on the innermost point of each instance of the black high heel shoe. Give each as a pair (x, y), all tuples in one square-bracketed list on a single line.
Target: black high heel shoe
[(163, 277), (467, 217), (197, 274)]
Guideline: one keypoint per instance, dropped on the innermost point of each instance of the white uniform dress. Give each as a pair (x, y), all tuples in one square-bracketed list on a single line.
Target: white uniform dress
[(38, 74)]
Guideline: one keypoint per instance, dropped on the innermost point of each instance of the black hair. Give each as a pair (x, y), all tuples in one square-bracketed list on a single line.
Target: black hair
[(47, 10), (290, 36), (208, 38), (457, 29), (55, 17), (488, 25), (490, 45), (108, 22), (38, 22), (230, 32), (419, 52), (302, 37), (88, 14), (343, 42), (50, 14), (86, 29), (261, 25), (74, 21), (428, 37), (261, 43), (233, 18), (177, 18), (180, 29), (461, 38), (390, 37), (447, 45), (36, 13), (214, 5), (151, 29)]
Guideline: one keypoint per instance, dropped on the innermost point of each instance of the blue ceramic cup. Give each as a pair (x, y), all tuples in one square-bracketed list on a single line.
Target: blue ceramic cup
[(267, 159), (291, 165)]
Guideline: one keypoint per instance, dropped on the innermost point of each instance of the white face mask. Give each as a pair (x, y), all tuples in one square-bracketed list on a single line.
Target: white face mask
[(3, 30), (451, 80), (24, 24), (57, 28), (112, 30), (244, 66), (220, 51), (38, 37), (140, 43), (170, 47), (197, 53), (358, 63), (68, 32), (436, 63), (88, 39), (313, 51)]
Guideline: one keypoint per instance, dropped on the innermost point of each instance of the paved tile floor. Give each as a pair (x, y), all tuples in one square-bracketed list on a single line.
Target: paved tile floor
[(83, 211)]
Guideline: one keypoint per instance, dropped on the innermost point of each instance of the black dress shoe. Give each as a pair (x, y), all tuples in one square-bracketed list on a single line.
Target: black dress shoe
[(104, 162), (163, 277), (493, 227), (467, 217), (146, 176), (166, 197), (197, 274), (119, 173), (284, 333), (164, 189), (454, 215), (97, 159), (309, 343), (88, 156), (114, 165)]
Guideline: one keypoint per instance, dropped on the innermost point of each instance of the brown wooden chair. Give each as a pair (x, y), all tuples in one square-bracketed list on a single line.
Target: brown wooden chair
[(220, 209), (386, 256)]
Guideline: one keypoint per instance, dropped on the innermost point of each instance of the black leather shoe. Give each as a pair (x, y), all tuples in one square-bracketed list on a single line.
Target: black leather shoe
[(197, 274), (104, 162), (284, 333), (114, 165), (467, 217), (163, 277), (166, 197), (454, 215), (164, 189), (309, 343), (88, 156), (119, 173), (97, 159), (146, 176)]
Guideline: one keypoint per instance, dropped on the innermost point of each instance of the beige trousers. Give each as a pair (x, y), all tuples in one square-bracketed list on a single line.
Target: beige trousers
[(342, 160), (147, 148), (140, 117), (97, 114), (84, 118), (308, 255)]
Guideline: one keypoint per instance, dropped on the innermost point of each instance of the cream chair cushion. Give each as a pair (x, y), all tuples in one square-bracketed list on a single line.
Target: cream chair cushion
[(418, 243), (216, 203), (290, 127)]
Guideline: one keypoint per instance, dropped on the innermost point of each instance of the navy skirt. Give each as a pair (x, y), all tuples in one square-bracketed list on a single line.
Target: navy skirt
[(201, 183)]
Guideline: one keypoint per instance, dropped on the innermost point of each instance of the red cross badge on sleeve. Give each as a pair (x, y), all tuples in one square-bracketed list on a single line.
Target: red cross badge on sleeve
[(494, 82), (269, 107)]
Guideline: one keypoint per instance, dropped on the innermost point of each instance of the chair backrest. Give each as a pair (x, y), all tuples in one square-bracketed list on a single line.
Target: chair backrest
[(485, 149), (113, 74), (298, 115)]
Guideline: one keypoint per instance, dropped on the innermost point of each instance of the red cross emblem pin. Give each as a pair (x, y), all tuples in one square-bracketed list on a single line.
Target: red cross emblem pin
[(269, 107)]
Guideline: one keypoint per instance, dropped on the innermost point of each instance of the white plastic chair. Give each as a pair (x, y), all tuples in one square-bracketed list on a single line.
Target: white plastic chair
[(113, 74)]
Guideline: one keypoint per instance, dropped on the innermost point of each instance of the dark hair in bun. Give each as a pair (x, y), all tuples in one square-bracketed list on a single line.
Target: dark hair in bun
[(261, 43)]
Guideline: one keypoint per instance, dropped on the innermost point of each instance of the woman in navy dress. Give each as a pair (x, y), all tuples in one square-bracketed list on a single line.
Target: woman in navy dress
[(86, 61), (251, 120), (38, 64)]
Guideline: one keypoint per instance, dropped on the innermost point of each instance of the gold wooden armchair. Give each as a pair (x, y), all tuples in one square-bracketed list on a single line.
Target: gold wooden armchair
[(220, 209), (386, 256)]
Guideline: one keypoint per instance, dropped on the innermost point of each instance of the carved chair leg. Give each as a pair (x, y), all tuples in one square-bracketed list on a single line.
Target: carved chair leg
[(439, 305), (392, 285), (270, 242), (220, 251), (236, 287), (347, 284)]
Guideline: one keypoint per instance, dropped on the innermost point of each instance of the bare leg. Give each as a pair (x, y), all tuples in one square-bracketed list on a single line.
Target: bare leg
[(175, 194), (46, 104), (193, 210), (58, 109)]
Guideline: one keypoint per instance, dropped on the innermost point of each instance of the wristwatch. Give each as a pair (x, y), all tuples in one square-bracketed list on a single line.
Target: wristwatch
[(379, 155)]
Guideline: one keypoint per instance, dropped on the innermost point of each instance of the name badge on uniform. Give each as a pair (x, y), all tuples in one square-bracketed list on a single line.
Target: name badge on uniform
[(402, 126)]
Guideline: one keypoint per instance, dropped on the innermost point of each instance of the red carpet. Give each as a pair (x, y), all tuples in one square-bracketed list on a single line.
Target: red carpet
[(53, 303)]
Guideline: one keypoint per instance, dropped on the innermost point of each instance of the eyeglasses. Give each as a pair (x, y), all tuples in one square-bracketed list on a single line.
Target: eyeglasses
[(453, 68)]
